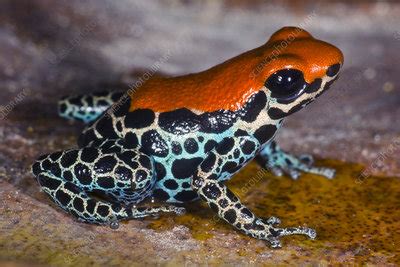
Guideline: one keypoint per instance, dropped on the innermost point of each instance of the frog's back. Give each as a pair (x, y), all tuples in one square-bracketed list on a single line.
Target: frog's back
[(214, 89)]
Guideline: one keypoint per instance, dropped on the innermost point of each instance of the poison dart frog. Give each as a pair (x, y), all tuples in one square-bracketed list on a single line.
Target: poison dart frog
[(178, 139)]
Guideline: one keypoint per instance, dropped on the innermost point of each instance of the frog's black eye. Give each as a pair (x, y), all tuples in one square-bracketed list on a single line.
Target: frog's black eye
[(286, 84)]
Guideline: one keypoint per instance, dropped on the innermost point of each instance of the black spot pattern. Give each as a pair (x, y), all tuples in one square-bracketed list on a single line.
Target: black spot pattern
[(105, 182), (78, 204), (69, 158), (210, 145), (86, 137), (247, 212), (123, 173), (63, 197), (89, 154), (208, 163), (223, 203), (211, 191), (105, 164), (184, 168), (276, 113), (186, 195), (183, 121), (83, 173), (176, 148), (160, 194), (118, 125), (230, 216), (298, 107), (153, 144), (240, 132), (127, 157), (68, 176), (55, 156), (171, 184), (248, 147), (191, 145), (180, 121), (145, 162), (103, 210), (255, 105), (230, 166), (333, 70), (51, 184), (160, 171), (91, 204), (225, 146), (131, 140), (139, 118), (265, 133), (140, 176), (62, 108), (314, 86), (105, 127), (122, 107)]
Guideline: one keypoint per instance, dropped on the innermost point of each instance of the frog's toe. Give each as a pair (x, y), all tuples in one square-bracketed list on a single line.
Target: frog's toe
[(307, 159), (176, 210), (289, 170), (180, 210), (294, 174), (114, 224), (326, 172), (274, 242), (276, 233), (276, 171)]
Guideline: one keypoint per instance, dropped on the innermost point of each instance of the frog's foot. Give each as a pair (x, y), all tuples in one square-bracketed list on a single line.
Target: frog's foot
[(280, 163), (270, 233), (114, 171), (87, 108), (155, 211)]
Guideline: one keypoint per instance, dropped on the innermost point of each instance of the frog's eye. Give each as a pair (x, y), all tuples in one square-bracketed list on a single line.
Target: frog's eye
[(286, 84)]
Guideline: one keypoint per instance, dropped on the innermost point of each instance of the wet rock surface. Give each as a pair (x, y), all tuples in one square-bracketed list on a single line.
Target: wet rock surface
[(52, 48)]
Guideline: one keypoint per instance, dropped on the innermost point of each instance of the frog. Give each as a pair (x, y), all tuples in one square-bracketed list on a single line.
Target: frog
[(178, 139)]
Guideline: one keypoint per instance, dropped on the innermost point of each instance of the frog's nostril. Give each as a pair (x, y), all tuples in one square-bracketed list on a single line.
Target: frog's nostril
[(333, 70)]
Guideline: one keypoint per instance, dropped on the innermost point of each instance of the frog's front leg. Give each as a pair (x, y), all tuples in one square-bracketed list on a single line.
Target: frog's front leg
[(228, 158), (120, 174), (280, 162)]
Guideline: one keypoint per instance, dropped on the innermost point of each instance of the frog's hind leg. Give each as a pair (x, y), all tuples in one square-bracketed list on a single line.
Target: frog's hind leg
[(87, 108), (122, 176)]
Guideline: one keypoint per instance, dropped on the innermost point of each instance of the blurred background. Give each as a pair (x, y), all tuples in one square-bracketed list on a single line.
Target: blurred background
[(50, 48)]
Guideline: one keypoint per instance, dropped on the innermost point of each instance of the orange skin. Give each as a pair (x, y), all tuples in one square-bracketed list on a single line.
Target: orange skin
[(228, 85)]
